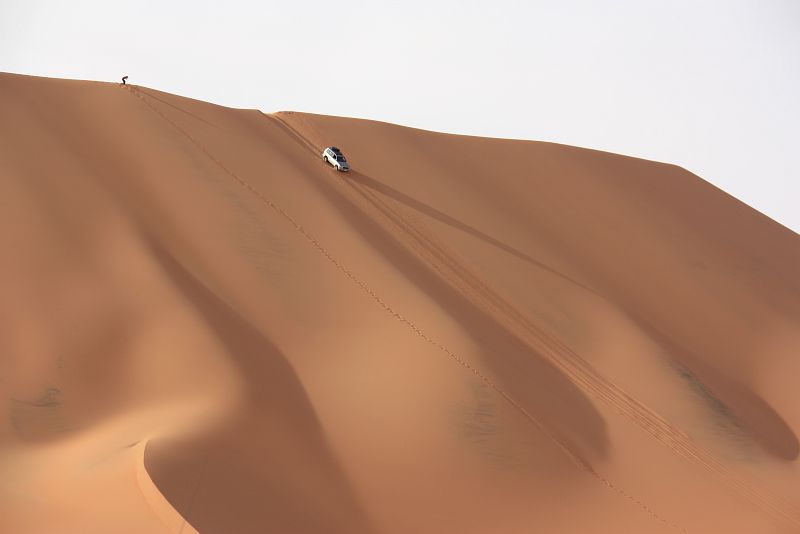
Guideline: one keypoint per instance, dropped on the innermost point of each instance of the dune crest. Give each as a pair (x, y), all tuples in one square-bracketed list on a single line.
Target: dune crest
[(204, 328)]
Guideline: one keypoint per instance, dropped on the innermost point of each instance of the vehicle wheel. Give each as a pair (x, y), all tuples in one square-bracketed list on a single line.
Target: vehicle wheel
[(325, 158)]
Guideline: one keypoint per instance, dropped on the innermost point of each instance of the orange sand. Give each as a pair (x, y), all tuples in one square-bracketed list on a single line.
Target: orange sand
[(203, 328)]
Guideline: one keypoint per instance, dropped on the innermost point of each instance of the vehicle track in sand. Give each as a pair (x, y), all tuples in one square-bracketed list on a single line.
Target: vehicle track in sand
[(578, 370), (435, 253), (564, 358), (572, 456)]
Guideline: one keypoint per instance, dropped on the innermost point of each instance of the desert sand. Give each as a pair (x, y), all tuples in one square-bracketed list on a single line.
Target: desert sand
[(204, 328)]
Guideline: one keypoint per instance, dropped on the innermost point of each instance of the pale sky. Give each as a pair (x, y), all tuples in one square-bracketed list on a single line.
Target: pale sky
[(711, 85)]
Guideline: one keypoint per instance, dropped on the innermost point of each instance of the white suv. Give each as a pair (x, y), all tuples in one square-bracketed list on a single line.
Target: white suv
[(335, 157)]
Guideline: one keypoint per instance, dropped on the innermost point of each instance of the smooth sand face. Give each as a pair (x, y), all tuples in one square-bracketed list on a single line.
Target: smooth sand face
[(203, 328)]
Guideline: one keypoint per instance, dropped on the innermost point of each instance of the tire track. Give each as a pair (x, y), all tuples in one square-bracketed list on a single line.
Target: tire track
[(566, 360), (574, 458), (563, 357), (309, 237)]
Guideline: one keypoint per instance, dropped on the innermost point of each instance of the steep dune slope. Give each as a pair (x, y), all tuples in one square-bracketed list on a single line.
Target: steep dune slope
[(204, 328)]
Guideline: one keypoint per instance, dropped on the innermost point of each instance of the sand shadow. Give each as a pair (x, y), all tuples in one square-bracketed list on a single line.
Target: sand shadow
[(267, 468), (524, 373), (441, 216), (740, 414)]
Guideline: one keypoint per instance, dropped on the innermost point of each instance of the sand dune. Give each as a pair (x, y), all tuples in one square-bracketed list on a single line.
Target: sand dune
[(203, 328)]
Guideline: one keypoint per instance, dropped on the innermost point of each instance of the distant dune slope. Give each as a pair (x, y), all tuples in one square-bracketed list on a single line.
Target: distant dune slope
[(204, 328)]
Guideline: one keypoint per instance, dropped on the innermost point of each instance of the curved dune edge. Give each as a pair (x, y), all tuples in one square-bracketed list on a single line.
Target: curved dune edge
[(357, 353), (159, 504)]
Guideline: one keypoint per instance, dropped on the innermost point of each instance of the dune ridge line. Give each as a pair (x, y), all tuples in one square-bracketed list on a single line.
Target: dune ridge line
[(577, 461)]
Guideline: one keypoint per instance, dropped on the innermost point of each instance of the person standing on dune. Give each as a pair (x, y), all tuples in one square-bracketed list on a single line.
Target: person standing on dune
[(124, 80)]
